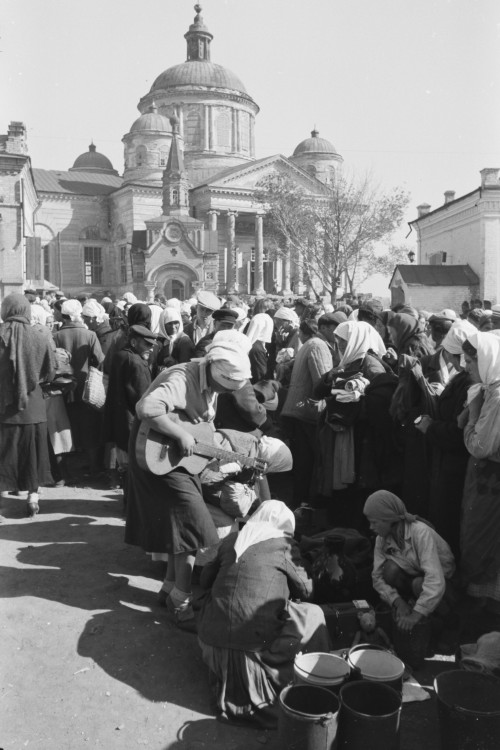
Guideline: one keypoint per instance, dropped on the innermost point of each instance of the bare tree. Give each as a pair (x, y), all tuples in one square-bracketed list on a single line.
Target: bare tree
[(335, 232)]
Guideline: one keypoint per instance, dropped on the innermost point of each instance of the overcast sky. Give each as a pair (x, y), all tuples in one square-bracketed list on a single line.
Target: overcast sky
[(408, 90)]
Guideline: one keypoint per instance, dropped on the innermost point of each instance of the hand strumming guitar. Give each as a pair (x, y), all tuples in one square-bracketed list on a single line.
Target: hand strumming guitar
[(186, 443)]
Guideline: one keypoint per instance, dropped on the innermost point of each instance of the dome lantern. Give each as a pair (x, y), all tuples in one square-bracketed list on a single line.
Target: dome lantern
[(198, 38)]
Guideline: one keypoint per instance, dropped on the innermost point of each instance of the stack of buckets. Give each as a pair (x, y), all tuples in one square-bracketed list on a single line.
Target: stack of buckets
[(352, 704)]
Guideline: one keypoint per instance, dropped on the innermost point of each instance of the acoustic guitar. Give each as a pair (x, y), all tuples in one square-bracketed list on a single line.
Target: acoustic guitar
[(160, 454)]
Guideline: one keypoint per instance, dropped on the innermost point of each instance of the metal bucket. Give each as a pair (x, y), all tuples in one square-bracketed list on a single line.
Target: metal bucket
[(307, 718), (321, 669), (468, 710), (376, 664), (369, 716)]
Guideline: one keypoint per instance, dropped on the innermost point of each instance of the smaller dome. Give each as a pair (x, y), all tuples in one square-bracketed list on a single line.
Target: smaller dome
[(93, 161), (315, 145), (151, 120)]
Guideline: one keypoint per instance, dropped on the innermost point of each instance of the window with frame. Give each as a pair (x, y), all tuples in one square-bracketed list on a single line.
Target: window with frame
[(123, 264), (46, 262), (92, 265)]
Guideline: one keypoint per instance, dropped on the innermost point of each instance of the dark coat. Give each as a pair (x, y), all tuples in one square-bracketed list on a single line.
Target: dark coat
[(259, 359), (85, 350), (107, 338), (182, 351), (129, 378), (246, 606), (449, 458)]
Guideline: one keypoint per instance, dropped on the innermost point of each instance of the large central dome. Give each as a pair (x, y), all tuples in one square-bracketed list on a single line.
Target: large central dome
[(198, 73)]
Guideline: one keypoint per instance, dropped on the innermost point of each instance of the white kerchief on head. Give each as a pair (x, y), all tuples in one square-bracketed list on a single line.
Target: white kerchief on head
[(170, 315), (488, 356), (456, 336), (260, 328), (156, 312), (360, 337), (72, 308), (129, 298), (272, 520), (286, 313), (228, 357), (92, 309), (174, 302)]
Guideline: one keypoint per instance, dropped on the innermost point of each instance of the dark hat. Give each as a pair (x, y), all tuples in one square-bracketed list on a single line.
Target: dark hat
[(143, 333), (302, 301), (266, 393), (332, 318), (372, 307), (445, 316), (225, 315)]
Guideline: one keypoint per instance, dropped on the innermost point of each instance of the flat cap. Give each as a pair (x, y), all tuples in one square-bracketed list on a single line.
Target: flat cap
[(143, 333), (332, 318), (226, 315)]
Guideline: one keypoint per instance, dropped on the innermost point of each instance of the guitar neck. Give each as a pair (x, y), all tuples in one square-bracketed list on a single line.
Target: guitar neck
[(211, 451)]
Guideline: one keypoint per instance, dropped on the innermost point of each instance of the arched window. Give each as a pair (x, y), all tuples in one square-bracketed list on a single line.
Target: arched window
[(163, 157), (175, 197), (311, 169), (223, 130)]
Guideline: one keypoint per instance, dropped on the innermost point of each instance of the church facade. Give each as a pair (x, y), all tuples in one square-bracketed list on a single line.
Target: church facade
[(181, 217)]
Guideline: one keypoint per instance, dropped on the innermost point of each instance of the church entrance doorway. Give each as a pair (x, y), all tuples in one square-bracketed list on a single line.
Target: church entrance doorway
[(177, 288)]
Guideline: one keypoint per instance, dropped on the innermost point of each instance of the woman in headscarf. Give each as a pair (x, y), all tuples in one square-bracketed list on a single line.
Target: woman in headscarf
[(260, 333), (356, 447), (96, 319), (412, 563), (445, 439), (422, 378), (178, 347), (249, 633), (26, 359), (85, 350), (166, 513), (480, 523)]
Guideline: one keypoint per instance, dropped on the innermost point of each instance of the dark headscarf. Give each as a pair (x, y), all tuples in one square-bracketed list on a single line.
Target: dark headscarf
[(25, 355), (405, 327), (139, 314), (387, 507)]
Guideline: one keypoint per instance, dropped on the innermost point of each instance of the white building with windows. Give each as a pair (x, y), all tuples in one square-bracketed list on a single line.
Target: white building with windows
[(181, 216)]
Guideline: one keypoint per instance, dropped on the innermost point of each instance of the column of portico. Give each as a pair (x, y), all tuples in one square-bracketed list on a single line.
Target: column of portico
[(150, 287), (258, 278), (213, 214), (287, 272), (232, 273)]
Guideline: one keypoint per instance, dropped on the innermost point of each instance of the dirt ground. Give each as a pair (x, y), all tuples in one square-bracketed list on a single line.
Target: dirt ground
[(88, 659)]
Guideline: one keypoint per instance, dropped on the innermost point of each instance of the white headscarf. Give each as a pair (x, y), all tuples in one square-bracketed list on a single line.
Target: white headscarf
[(228, 359), (174, 302), (360, 337), (488, 356), (129, 298), (170, 315), (272, 520), (73, 309), (92, 309), (456, 336), (286, 313), (260, 328), (156, 312), (38, 315)]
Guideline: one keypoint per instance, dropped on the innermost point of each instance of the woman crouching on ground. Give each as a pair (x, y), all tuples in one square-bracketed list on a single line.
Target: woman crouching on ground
[(249, 629), (412, 564)]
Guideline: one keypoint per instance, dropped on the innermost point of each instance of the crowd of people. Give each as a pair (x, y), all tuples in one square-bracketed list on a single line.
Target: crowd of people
[(387, 419)]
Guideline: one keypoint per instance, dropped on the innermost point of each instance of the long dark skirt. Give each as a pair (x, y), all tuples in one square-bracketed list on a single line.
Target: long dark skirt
[(247, 683), (166, 513), (480, 529), (24, 457)]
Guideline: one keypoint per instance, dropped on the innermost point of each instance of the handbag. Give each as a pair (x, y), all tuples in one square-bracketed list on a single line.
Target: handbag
[(95, 388)]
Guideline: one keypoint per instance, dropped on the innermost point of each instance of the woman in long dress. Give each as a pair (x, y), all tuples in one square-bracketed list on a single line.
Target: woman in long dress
[(480, 527), (26, 359), (249, 628)]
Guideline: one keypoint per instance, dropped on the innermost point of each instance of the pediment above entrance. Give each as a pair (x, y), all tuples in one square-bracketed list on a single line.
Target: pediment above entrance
[(246, 178), (175, 236)]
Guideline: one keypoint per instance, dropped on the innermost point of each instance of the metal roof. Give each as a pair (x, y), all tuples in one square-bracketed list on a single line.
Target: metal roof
[(75, 183), (438, 275)]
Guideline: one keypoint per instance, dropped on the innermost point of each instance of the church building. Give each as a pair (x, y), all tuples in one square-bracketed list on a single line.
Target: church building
[(181, 217)]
